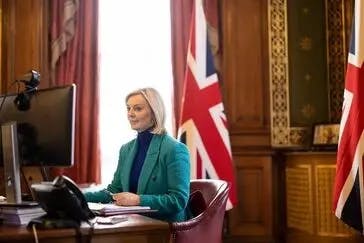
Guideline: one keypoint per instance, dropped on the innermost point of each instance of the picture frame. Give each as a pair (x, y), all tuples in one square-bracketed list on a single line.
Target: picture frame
[(325, 135)]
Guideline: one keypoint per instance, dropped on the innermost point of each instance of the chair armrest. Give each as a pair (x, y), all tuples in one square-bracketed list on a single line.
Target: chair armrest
[(187, 225)]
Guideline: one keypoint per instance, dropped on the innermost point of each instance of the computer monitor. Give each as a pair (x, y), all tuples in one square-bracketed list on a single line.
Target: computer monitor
[(43, 135)]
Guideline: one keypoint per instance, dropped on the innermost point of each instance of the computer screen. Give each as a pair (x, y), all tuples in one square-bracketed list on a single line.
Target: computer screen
[(45, 132)]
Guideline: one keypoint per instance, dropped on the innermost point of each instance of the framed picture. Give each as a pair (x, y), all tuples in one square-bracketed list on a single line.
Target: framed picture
[(325, 135)]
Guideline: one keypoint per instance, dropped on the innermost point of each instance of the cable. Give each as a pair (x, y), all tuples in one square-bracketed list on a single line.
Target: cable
[(35, 234), (2, 102), (91, 230)]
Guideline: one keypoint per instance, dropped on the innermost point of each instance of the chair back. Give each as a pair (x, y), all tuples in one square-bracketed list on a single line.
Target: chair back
[(208, 200)]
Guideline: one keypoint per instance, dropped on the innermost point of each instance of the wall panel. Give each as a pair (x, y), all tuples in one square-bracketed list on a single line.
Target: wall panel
[(24, 40), (245, 66)]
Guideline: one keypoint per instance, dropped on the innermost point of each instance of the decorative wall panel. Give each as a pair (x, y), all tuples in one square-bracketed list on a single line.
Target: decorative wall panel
[(290, 129), (299, 198), (327, 223), (309, 189)]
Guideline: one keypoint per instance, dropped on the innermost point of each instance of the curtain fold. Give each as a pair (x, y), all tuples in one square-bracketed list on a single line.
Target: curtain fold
[(181, 11), (74, 59)]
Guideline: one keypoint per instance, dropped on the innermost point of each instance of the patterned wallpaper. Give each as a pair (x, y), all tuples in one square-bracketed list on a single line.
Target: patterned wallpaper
[(308, 86), (307, 66)]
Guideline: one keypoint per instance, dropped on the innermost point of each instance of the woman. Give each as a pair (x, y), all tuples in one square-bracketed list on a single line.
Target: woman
[(153, 169)]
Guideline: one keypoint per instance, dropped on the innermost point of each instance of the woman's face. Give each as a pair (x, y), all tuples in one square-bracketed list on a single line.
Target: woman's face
[(139, 113)]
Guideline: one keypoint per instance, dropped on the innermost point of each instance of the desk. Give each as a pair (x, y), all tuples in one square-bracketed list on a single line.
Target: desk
[(137, 229)]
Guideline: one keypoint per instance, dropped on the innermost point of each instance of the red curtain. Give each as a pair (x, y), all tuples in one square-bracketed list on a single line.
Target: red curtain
[(181, 11), (74, 36)]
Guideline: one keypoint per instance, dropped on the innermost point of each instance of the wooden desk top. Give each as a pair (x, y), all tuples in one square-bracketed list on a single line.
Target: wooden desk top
[(137, 228)]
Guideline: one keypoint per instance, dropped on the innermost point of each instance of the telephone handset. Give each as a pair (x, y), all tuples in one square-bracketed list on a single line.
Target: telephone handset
[(64, 203), (79, 199)]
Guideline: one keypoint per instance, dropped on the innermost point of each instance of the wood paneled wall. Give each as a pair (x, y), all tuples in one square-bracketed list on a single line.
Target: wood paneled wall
[(245, 71), (24, 47), (261, 213), (246, 92), (24, 40)]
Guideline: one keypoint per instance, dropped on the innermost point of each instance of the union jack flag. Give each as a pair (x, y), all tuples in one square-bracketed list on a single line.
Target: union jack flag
[(348, 197), (203, 125)]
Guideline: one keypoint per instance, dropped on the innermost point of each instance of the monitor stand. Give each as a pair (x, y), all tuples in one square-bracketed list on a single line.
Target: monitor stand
[(9, 138)]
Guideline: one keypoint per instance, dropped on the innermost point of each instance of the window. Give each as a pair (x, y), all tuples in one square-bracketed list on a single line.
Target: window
[(135, 52)]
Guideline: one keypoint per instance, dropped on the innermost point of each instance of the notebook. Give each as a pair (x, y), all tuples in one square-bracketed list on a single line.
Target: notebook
[(107, 209)]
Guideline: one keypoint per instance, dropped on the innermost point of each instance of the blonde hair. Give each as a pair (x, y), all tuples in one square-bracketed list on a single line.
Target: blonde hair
[(156, 104)]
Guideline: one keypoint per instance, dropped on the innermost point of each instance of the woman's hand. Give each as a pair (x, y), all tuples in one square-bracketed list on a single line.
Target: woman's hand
[(126, 199)]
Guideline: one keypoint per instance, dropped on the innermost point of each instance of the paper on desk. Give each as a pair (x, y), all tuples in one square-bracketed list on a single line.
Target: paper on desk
[(111, 219), (113, 206), (113, 209)]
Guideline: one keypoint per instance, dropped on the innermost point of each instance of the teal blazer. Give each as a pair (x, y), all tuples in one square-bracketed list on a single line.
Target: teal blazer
[(164, 182)]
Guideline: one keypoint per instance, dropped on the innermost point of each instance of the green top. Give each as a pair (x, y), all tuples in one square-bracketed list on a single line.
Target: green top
[(164, 182)]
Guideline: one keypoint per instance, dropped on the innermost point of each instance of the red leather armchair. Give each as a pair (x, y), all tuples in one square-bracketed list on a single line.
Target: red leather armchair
[(207, 203)]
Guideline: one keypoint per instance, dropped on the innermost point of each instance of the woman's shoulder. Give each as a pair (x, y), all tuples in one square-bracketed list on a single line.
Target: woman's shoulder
[(174, 150), (169, 141), (128, 145)]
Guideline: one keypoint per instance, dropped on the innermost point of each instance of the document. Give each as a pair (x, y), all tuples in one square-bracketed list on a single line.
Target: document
[(112, 219), (106, 209)]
